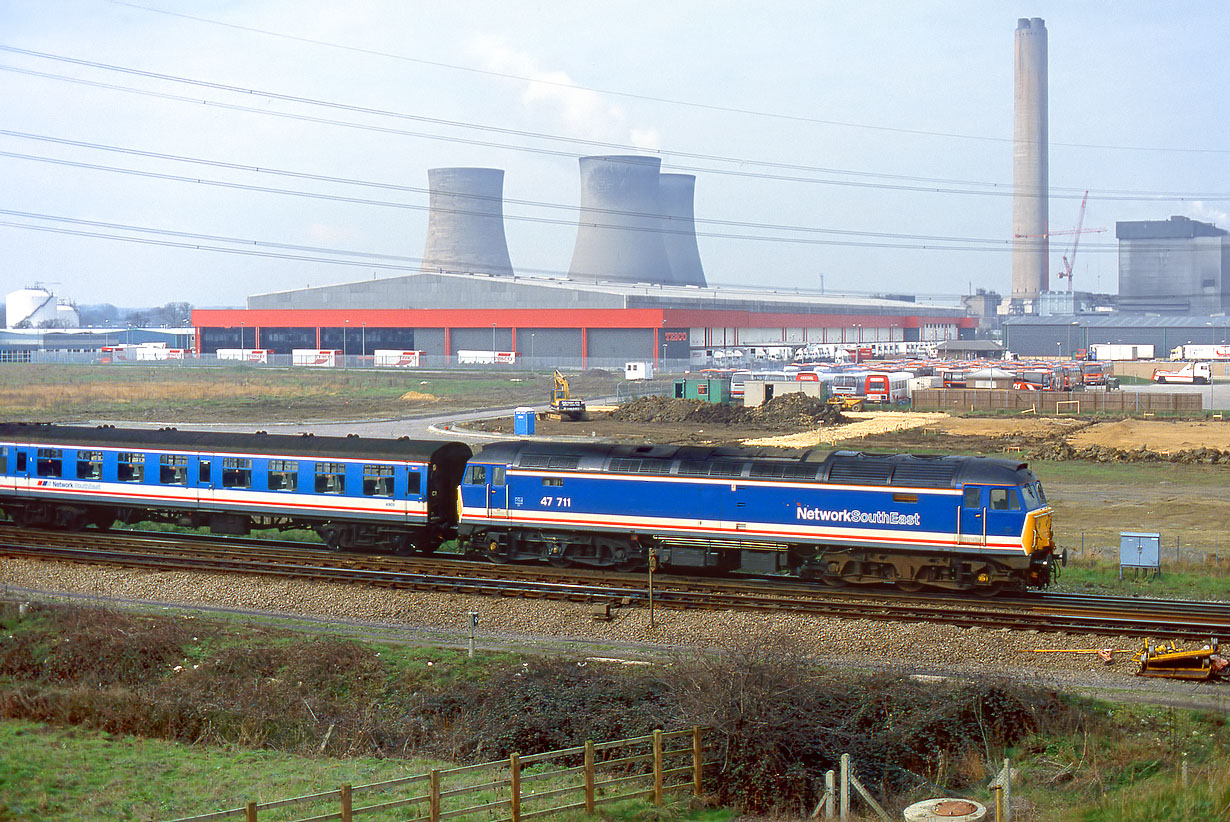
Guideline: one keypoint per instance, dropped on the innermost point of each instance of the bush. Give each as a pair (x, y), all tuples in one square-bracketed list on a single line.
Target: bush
[(781, 722)]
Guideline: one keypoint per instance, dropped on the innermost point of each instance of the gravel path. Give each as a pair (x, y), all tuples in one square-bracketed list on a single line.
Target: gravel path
[(439, 619)]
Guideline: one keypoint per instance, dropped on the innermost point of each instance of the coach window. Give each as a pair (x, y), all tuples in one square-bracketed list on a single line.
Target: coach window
[(173, 469), (973, 498), (283, 475), (236, 472), (414, 483), (4, 460), (330, 478), (130, 467), (377, 480), (89, 465), (1004, 499), (50, 462)]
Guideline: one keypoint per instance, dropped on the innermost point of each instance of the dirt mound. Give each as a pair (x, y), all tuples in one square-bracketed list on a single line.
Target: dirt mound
[(789, 412)]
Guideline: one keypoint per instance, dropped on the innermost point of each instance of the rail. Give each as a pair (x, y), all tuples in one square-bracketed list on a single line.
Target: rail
[(642, 767), (1048, 612)]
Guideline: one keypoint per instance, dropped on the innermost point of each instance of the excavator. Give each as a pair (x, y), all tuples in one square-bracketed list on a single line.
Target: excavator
[(563, 405)]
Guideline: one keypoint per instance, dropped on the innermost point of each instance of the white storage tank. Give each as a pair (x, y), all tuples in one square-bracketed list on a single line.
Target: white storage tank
[(29, 307)]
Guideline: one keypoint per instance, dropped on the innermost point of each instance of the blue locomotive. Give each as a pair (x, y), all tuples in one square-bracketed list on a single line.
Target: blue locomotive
[(960, 523), (396, 495)]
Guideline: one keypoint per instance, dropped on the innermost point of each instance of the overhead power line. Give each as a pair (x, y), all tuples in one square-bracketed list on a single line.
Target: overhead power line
[(647, 97), (927, 185)]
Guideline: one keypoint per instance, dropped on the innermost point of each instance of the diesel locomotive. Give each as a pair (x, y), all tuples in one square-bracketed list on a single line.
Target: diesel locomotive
[(959, 523)]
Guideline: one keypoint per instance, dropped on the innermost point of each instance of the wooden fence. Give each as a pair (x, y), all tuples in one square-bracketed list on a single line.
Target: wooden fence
[(592, 774), (1055, 402)]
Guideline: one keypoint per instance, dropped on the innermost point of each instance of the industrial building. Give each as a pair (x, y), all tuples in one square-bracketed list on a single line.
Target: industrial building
[(1175, 266), (635, 290), (584, 324), (1062, 336)]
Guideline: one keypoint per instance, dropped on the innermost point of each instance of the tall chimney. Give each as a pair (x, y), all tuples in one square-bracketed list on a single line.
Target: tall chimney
[(1030, 186), (465, 226), (619, 230)]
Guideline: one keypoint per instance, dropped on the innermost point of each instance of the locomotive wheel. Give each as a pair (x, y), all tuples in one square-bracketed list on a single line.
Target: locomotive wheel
[(401, 545), (909, 586), (987, 590), (331, 537), (560, 562)]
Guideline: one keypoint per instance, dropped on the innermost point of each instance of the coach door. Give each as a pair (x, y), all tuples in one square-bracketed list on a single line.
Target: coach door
[(972, 523)]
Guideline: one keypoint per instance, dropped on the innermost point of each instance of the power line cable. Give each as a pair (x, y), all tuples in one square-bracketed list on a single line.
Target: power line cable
[(996, 190), (650, 98)]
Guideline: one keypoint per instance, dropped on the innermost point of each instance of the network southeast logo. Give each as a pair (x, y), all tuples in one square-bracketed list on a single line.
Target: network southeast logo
[(856, 516)]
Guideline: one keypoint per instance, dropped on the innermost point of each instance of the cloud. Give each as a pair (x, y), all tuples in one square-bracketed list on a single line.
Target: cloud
[(1205, 213), (578, 112)]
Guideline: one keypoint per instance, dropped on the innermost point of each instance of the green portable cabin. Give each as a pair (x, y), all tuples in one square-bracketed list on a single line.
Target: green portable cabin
[(706, 389)]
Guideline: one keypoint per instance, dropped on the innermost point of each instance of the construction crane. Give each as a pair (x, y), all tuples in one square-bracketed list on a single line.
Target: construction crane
[(1070, 258), (1076, 239)]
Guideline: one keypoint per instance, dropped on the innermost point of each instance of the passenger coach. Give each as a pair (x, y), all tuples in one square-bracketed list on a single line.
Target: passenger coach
[(966, 523), (396, 495)]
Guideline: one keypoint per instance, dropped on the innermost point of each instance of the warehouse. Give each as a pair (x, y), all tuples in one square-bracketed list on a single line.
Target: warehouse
[(580, 324)]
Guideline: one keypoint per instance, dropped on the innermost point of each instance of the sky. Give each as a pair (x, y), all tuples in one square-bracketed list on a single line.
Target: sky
[(164, 150)]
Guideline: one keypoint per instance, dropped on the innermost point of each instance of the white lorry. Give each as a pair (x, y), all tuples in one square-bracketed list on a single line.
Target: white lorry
[(1106, 352), (1201, 352), (1192, 373)]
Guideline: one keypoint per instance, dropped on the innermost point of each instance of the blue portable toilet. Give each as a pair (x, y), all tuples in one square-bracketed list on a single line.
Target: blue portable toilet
[(523, 421)]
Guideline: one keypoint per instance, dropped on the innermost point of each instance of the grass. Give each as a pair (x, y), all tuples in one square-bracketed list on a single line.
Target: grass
[(243, 393), (1126, 764), (66, 774), (1186, 583)]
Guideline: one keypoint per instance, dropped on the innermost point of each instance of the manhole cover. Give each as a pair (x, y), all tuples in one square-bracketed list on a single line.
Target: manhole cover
[(954, 807)]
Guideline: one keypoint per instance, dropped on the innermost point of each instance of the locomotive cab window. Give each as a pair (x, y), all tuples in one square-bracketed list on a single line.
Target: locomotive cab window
[(89, 465), (476, 475), (330, 478), (173, 469), (283, 475), (377, 480), (50, 462), (497, 475), (236, 472), (130, 467), (973, 498), (1004, 499)]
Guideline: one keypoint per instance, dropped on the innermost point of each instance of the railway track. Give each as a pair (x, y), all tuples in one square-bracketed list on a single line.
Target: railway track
[(1052, 612)]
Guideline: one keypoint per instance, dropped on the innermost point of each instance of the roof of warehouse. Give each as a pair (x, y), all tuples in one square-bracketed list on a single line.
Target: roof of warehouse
[(1126, 320), (641, 295)]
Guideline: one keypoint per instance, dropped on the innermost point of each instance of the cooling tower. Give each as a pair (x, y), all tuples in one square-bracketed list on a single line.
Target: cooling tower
[(619, 230), (678, 192), (465, 229), (1030, 246)]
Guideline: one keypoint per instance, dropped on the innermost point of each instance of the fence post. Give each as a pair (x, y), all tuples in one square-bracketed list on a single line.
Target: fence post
[(589, 776), (830, 793), (249, 814), (657, 767), (698, 762), (434, 797), (844, 806), (514, 787), (346, 803)]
